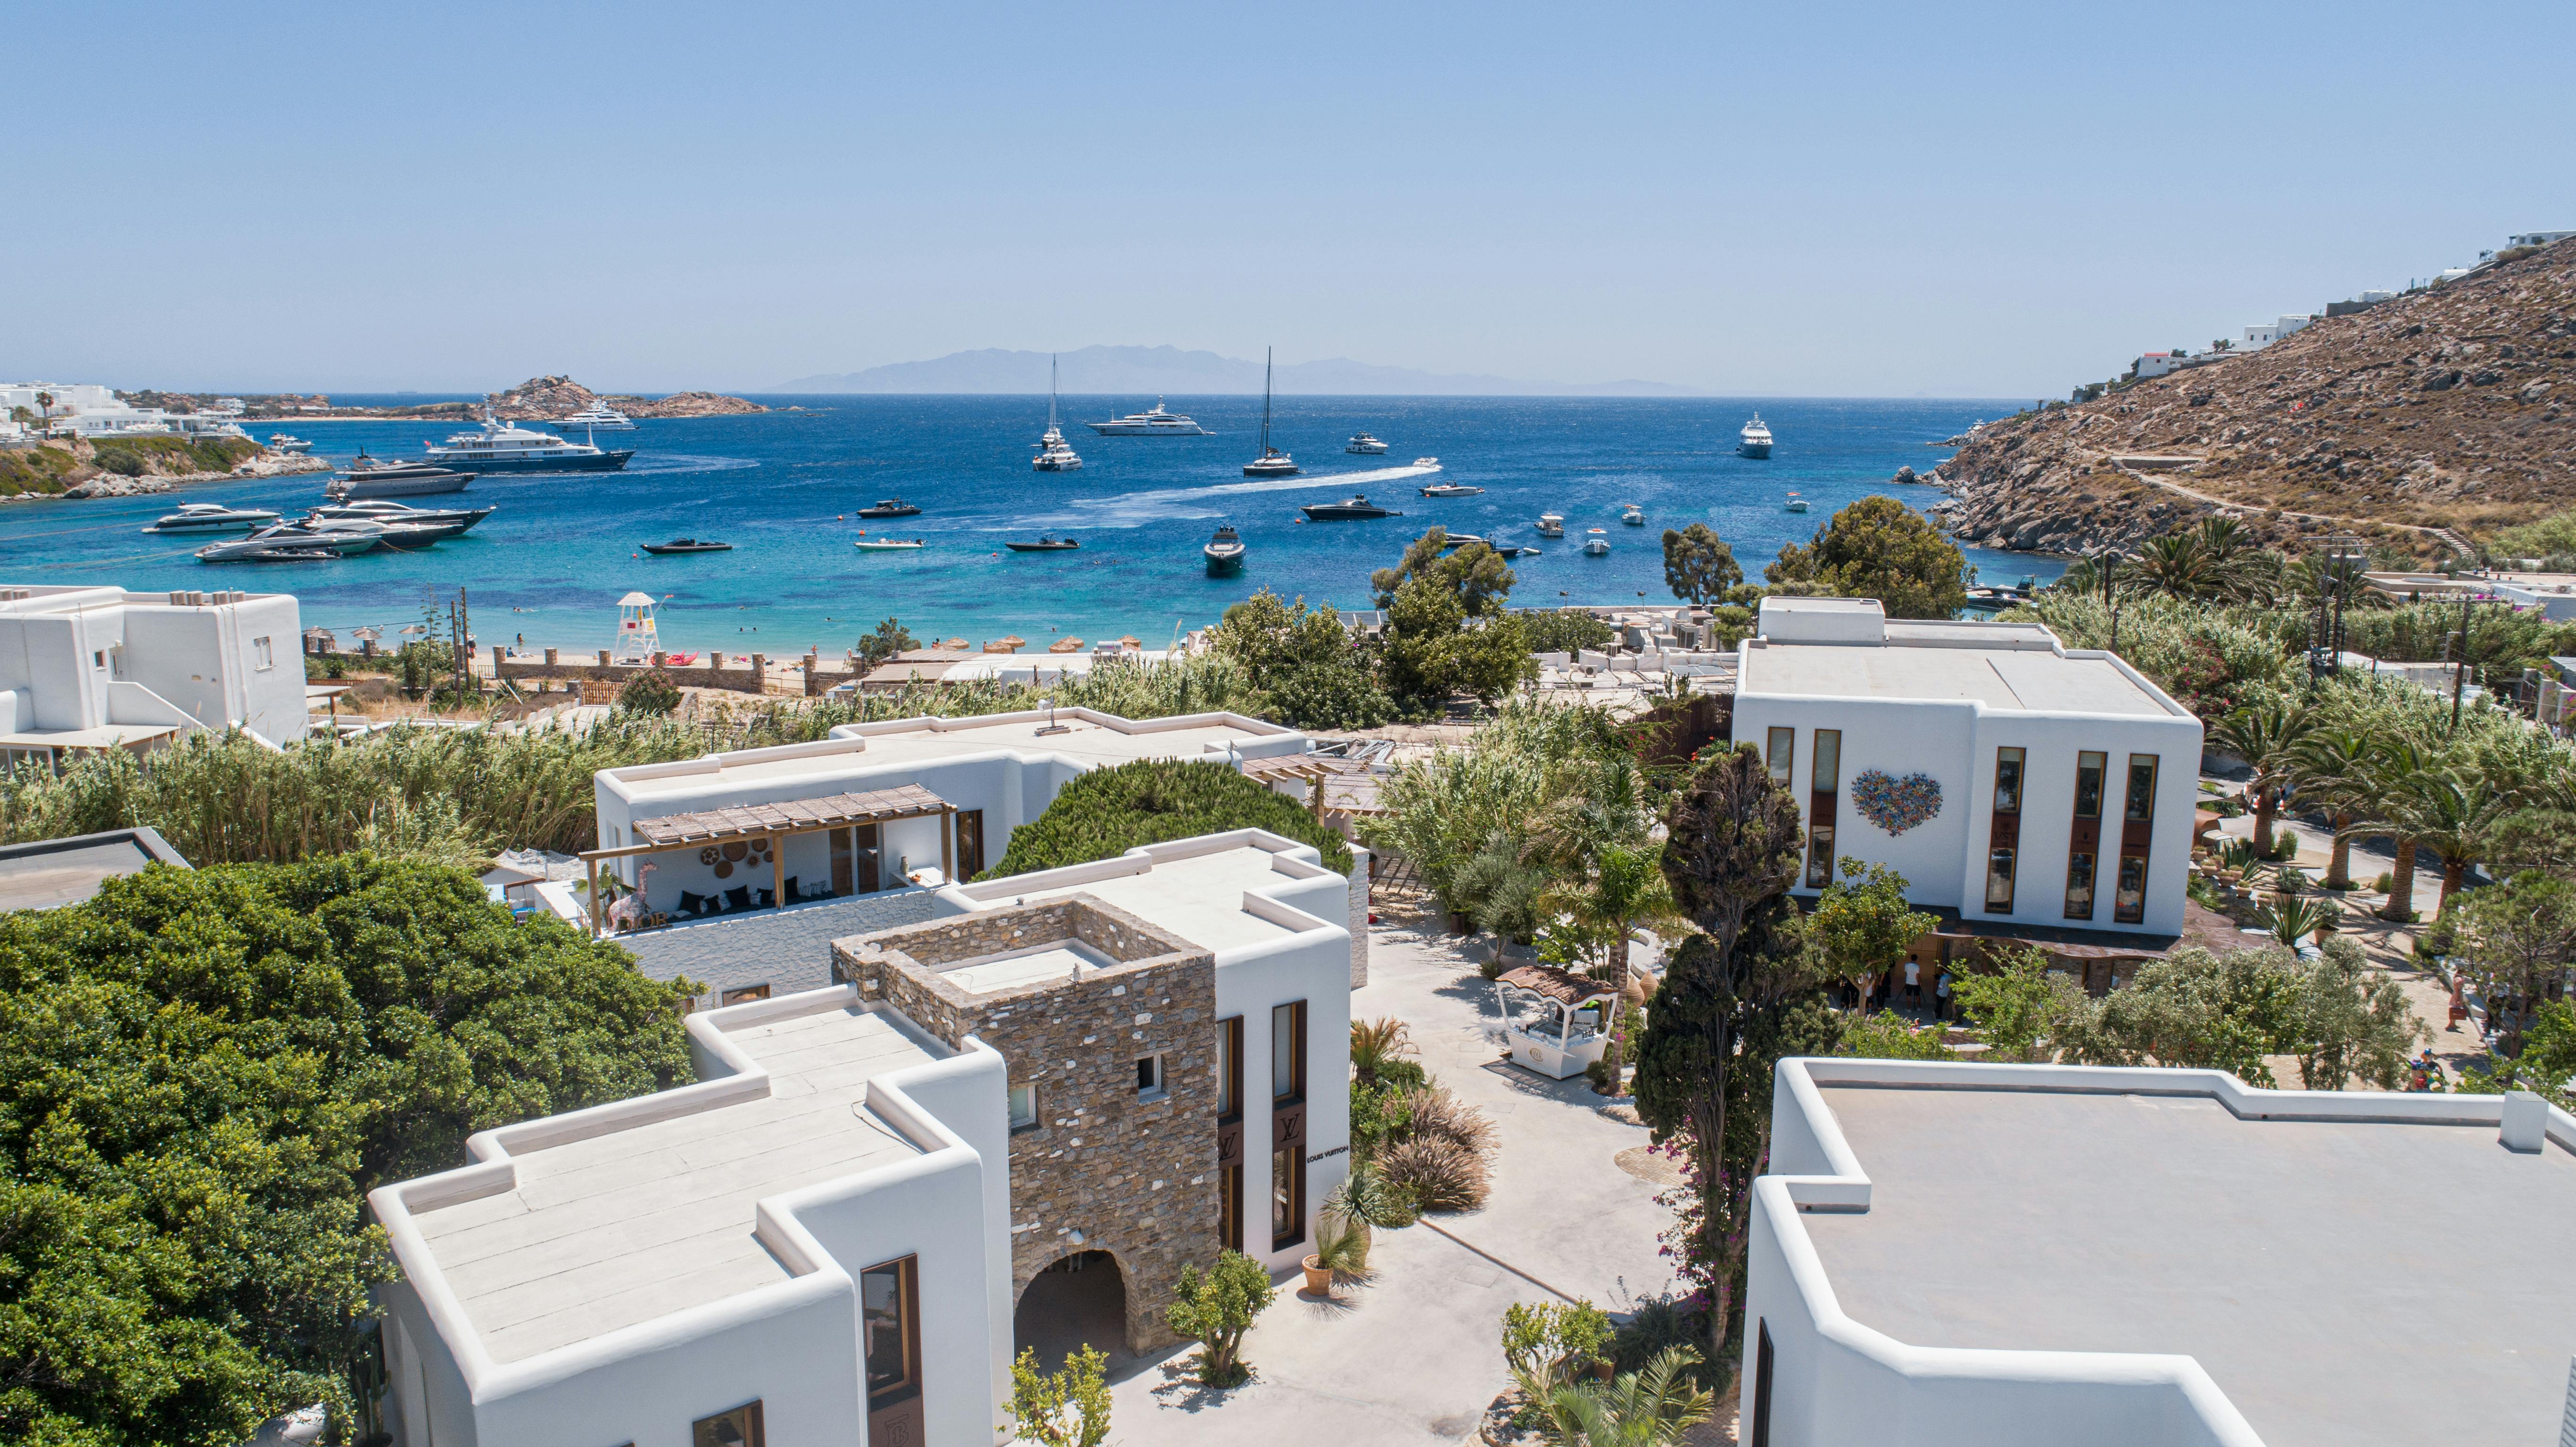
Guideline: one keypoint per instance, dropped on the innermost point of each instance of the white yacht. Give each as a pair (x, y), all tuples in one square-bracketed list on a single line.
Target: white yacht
[(501, 447), (1156, 423), (280, 442), (1754, 440), (1551, 525), (1365, 445), (1054, 453), (1272, 462), (368, 477), (1796, 503), (1631, 514), (198, 516), (600, 417), (1596, 541)]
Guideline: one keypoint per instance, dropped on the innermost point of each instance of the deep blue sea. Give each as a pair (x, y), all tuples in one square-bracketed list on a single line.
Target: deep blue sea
[(782, 487)]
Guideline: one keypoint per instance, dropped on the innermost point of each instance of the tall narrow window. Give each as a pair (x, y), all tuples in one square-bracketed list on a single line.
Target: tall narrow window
[(1781, 755), (863, 846), (2003, 832), (1287, 1125), (1287, 1051), (842, 878), (970, 843), (2084, 836), (890, 1338), (2137, 833), (1824, 777), (1229, 1132)]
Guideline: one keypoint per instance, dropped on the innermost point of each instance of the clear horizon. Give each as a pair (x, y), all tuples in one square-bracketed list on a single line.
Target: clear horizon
[(1878, 201)]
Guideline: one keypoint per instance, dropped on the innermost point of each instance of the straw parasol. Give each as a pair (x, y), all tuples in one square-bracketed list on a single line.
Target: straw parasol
[(1065, 645)]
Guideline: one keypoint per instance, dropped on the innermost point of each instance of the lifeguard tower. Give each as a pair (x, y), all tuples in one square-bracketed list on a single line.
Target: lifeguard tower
[(637, 639)]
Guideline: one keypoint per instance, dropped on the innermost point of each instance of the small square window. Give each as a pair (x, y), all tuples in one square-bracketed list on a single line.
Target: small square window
[(740, 1427), (1024, 1107), (264, 657), (1149, 1076)]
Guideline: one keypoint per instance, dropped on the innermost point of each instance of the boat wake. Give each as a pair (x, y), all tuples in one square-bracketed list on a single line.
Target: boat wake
[(1138, 509), (662, 464)]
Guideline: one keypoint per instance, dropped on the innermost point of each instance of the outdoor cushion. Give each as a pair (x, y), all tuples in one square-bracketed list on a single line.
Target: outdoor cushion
[(791, 888), (738, 897), (692, 902)]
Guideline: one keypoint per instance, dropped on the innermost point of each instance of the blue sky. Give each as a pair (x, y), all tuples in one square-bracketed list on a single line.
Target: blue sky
[(1856, 200)]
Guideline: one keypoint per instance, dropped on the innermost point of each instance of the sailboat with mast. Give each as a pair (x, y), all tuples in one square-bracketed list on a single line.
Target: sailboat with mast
[(1272, 462), (1054, 453)]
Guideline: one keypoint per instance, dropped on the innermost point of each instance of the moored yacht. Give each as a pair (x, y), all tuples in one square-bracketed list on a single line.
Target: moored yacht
[(1795, 503), (1272, 462), (286, 542), (1155, 423), (1452, 489), (1551, 525), (599, 417), (1365, 445), (280, 442), (499, 446), (1633, 515), (1754, 440), (1358, 508), (1224, 552), (201, 516), (1054, 453), (372, 477), (1596, 541), (459, 519)]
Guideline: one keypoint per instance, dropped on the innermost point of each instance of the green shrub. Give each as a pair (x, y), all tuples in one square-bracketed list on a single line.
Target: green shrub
[(1109, 811), (1565, 630), (122, 463), (653, 694), (1216, 1308)]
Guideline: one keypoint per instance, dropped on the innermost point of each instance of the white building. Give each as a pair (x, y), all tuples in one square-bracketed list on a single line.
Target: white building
[(99, 668), (860, 827), (2156, 364), (2257, 338), (828, 1237), (2009, 778), (95, 411), (2035, 1255), (2538, 238)]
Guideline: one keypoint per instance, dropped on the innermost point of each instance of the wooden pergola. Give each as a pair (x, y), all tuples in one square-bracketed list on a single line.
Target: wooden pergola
[(1334, 786), (776, 822)]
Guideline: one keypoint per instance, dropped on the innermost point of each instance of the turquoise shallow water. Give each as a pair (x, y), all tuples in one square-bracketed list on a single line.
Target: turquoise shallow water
[(781, 486)]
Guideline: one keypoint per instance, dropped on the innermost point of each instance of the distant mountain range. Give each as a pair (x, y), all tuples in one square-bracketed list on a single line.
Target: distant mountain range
[(1169, 371)]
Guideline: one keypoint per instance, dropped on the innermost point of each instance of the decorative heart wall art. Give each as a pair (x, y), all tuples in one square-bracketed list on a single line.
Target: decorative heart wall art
[(1894, 804)]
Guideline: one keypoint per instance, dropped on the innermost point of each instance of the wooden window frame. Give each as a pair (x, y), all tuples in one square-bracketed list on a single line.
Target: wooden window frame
[(1296, 1053), (1780, 756), (970, 825), (1288, 1128), (2003, 829), (1229, 1134), (2084, 838), (743, 995), (757, 1436), (1824, 791), (2137, 837), (907, 1271)]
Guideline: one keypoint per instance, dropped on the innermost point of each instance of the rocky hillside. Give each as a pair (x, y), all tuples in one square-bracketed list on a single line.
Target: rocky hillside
[(2448, 410), (548, 398), (123, 466)]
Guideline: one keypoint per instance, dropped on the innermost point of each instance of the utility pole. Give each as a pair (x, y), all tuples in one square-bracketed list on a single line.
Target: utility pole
[(2460, 664), (2107, 562)]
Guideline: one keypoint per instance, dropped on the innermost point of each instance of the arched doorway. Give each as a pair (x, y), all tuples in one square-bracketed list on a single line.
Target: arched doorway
[(1079, 1301)]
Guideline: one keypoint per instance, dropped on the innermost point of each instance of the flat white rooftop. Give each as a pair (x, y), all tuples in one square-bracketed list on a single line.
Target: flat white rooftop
[(2017, 679), (1198, 897), (1086, 742), (2342, 1281), (627, 1226)]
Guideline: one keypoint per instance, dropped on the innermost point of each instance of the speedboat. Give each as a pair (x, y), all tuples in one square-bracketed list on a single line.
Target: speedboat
[(285, 542), (193, 516), (372, 477), (893, 507), (401, 537), (686, 545), (1596, 541), (1365, 445), (1452, 489), (1224, 552), (1755, 440), (280, 442), (1633, 515), (888, 545), (1155, 423), (499, 446), (1358, 507), (599, 417), (1272, 462), (1054, 453), (1551, 525), (1046, 543), (1450, 542), (387, 511), (1795, 503)]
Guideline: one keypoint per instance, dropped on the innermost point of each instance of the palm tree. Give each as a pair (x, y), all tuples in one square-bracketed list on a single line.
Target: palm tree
[(1623, 892), (2331, 767), (2265, 734), (2387, 782), (2453, 812), (1648, 1408), (2178, 566)]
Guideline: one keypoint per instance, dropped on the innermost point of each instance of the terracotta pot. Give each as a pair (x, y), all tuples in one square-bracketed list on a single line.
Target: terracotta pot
[(1601, 1371), (1319, 1279)]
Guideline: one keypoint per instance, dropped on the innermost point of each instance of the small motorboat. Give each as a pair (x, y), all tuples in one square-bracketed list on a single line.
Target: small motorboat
[(1596, 541), (1796, 503), (1046, 543), (1633, 515), (1455, 541), (1551, 525), (1430, 462), (1224, 552), (686, 545), (1452, 489), (888, 545), (280, 442), (195, 516), (893, 507), (1365, 445), (1358, 507)]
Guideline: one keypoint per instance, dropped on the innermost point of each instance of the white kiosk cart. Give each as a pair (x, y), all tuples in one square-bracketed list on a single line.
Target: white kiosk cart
[(1553, 1019)]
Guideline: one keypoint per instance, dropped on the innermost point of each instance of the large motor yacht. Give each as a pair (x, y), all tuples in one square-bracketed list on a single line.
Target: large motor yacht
[(1156, 423), (1272, 462), (1755, 439), (1365, 445), (501, 447), (372, 477), (201, 516), (281, 442), (1054, 453), (385, 511), (600, 417)]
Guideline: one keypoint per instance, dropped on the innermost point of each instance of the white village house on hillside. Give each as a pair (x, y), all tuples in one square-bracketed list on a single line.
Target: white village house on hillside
[(85, 668)]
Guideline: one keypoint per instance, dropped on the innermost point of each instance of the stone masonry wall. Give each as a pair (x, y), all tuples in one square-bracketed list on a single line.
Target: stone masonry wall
[(1103, 1169)]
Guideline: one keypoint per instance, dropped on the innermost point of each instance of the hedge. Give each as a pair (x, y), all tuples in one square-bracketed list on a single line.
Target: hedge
[(1109, 811)]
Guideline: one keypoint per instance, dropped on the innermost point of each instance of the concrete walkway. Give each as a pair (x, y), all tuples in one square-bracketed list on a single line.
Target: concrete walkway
[(1415, 1356)]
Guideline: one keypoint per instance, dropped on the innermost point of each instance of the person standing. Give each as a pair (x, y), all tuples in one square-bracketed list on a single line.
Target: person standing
[(1913, 983), (1941, 997)]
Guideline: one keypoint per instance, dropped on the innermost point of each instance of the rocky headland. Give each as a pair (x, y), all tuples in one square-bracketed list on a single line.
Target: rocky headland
[(550, 398), (127, 466), (2425, 422)]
